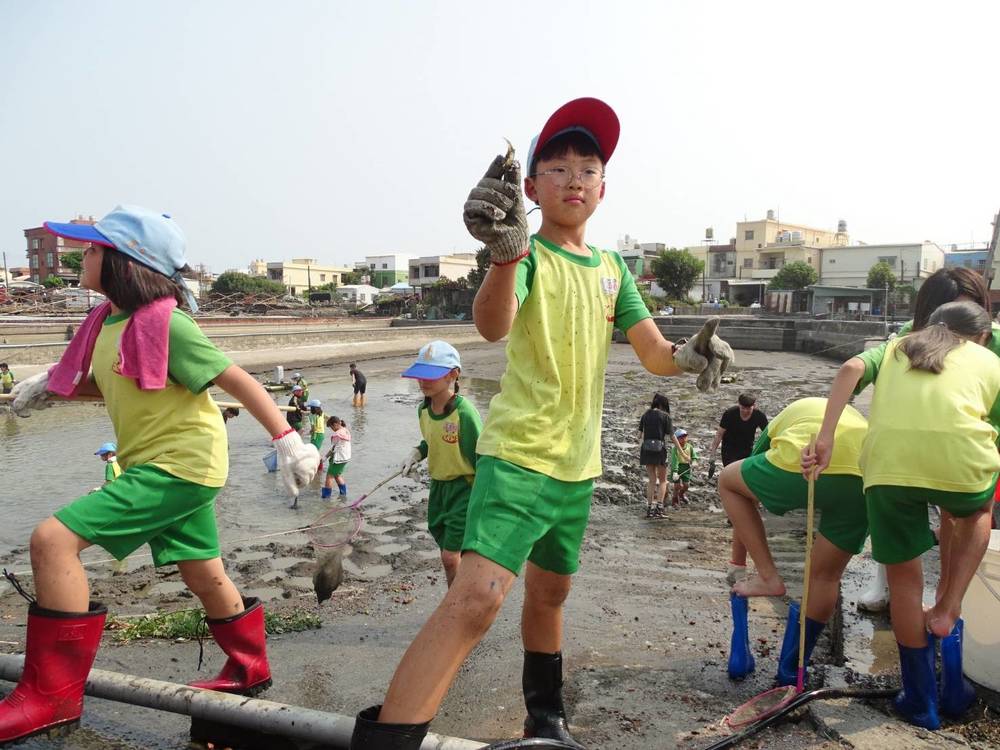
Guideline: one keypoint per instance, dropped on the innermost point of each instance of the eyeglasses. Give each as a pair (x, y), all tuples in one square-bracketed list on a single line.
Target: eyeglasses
[(590, 177)]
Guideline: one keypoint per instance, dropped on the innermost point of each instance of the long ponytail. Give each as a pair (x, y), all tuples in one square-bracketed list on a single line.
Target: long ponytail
[(947, 327)]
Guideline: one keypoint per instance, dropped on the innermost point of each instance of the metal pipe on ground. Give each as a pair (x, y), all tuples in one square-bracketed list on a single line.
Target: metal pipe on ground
[(327, 729)]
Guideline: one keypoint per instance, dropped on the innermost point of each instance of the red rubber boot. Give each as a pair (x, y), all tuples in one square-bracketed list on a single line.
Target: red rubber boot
[(58, 654), (243, 639)]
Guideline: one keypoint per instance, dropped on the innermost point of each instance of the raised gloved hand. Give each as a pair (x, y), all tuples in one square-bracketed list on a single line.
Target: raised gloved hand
[(297, 461), (30, 393), (706, 355), (494, 213), (409, 467)]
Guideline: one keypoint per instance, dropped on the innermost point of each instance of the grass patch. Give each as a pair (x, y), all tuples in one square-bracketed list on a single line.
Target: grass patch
[(185, 624)]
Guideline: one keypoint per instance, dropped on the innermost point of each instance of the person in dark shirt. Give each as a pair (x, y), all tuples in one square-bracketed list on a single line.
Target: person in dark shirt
[(360, 384), (654, 428), (299, 403), (737, 432)]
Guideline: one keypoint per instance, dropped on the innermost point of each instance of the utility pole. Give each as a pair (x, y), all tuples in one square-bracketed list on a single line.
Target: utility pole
[(991, 255), (6, 275), (885, 310)]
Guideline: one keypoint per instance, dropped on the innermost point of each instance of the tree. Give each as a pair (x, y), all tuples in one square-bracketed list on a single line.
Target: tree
[(73, 260), (476, 275), (676, 272), (351, 277), (232, 282), (881, 274), (795, 275), (53, 281)]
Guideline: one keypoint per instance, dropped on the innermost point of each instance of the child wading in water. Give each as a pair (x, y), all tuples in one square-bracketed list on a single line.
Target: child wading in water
[(109, 454), (338, 456), (450, 426), (682, 458), (540, 449), (930, 440), (317, 426), (152, 365)]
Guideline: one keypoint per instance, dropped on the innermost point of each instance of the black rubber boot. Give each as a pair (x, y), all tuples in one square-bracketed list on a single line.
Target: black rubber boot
[(369, 734), (542, 683)]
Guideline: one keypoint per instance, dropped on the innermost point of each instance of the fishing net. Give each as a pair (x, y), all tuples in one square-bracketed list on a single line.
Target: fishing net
[(337, 527), (761, 706)]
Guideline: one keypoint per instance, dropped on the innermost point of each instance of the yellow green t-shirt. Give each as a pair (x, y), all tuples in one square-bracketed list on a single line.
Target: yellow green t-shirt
[(547, 416), (788, 433), (178, 429), (7, 380), (112, 470), (934, 431), (449, 443), (317, 424)]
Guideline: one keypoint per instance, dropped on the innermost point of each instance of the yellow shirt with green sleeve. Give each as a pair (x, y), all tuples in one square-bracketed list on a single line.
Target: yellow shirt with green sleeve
[(675, 457), (788, 433), (449, 443), (178, 428), (112, 470), (934, 431), (547, 416), (873, 357), (317, 424), (6, 380)]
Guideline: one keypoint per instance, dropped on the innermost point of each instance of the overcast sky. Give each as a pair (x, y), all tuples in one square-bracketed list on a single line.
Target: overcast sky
[(339, 129)]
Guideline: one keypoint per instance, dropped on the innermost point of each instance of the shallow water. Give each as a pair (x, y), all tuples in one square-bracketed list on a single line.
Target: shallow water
[(49, 460)]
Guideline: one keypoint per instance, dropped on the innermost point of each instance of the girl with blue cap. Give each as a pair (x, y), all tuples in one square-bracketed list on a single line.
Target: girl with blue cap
[(450, 426), (152, 366)]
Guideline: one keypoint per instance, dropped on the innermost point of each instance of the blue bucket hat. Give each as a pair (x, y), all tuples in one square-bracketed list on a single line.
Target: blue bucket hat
[(149, 237), (434, 360), (106, 448)]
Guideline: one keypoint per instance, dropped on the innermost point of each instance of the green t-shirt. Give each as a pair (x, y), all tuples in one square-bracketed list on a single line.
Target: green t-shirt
[(178, 429), (675, 456), (449, 443), (788, 433), (547, 416), (112, 470), (934, 430)]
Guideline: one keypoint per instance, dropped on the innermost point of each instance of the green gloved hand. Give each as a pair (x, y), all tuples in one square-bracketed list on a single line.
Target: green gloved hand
[(494, 213)]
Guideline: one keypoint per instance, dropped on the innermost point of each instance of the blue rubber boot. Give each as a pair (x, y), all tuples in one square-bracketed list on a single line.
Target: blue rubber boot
[(741, 661), (788, 662), (918, 700), (343, 490), (326, 493), (957, 693)]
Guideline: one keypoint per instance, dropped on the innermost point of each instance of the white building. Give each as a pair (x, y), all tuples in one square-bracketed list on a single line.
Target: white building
[(358, 294), (386, 270), (429, 269), (849, 266)]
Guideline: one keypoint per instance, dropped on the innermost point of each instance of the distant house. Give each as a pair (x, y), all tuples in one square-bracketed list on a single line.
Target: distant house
[(430, 269), (358, 294)]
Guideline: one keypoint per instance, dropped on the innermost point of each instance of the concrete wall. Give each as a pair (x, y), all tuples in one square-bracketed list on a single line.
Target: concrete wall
[(835, 339)]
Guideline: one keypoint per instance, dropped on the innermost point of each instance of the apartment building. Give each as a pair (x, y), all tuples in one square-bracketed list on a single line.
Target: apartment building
[(429, 269), (45, 252)]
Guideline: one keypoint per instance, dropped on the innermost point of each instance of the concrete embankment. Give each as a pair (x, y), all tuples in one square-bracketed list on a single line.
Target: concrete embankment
[(837, 339)]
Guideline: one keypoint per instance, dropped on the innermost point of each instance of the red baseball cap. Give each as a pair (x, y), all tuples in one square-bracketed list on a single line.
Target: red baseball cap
[(587, 115)]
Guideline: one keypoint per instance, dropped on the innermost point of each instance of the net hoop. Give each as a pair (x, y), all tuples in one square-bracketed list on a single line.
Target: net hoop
[(336, 527), (761, 706)]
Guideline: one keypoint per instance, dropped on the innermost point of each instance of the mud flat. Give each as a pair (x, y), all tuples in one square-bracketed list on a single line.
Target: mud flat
[(647, 624)]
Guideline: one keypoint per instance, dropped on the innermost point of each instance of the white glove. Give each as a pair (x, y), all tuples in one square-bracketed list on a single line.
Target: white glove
[(31, 393), (297, 461), (675, 477), (409, 467)]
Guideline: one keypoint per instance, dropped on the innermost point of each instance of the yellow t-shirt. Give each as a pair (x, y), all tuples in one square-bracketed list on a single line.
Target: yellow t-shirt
[(934, 431), (547, 416), (178, 429), (449, 443), (7, 379), (790, 432)]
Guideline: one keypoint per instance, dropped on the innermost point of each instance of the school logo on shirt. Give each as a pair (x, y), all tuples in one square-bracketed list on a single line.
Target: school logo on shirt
[(450, 433), (116, 368), (610, 286)]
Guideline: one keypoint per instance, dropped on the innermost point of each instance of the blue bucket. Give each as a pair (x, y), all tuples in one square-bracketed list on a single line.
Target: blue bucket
[(271, 461)]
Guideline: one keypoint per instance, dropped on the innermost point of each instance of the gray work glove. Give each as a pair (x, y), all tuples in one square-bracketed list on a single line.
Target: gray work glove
[(408, 469), (706, 355), (30, 393), (494, 212)]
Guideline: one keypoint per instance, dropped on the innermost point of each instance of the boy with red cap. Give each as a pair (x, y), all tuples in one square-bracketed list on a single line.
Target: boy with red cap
[(558, 298)]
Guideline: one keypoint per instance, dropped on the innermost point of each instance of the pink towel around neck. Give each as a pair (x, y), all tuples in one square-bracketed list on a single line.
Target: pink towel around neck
[(143, 349)]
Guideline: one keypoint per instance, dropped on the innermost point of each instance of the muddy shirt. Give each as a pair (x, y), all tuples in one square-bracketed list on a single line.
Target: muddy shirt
[(934, 431), (547, 416), (178, 429), (788, 433), (449, 443)]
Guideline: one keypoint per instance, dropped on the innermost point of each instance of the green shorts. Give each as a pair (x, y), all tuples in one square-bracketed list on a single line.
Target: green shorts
[(446, 511), (335, 470), (516, 514), (898, 517), (146, 505), (839, 498), (317, 440), (684, 473)]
